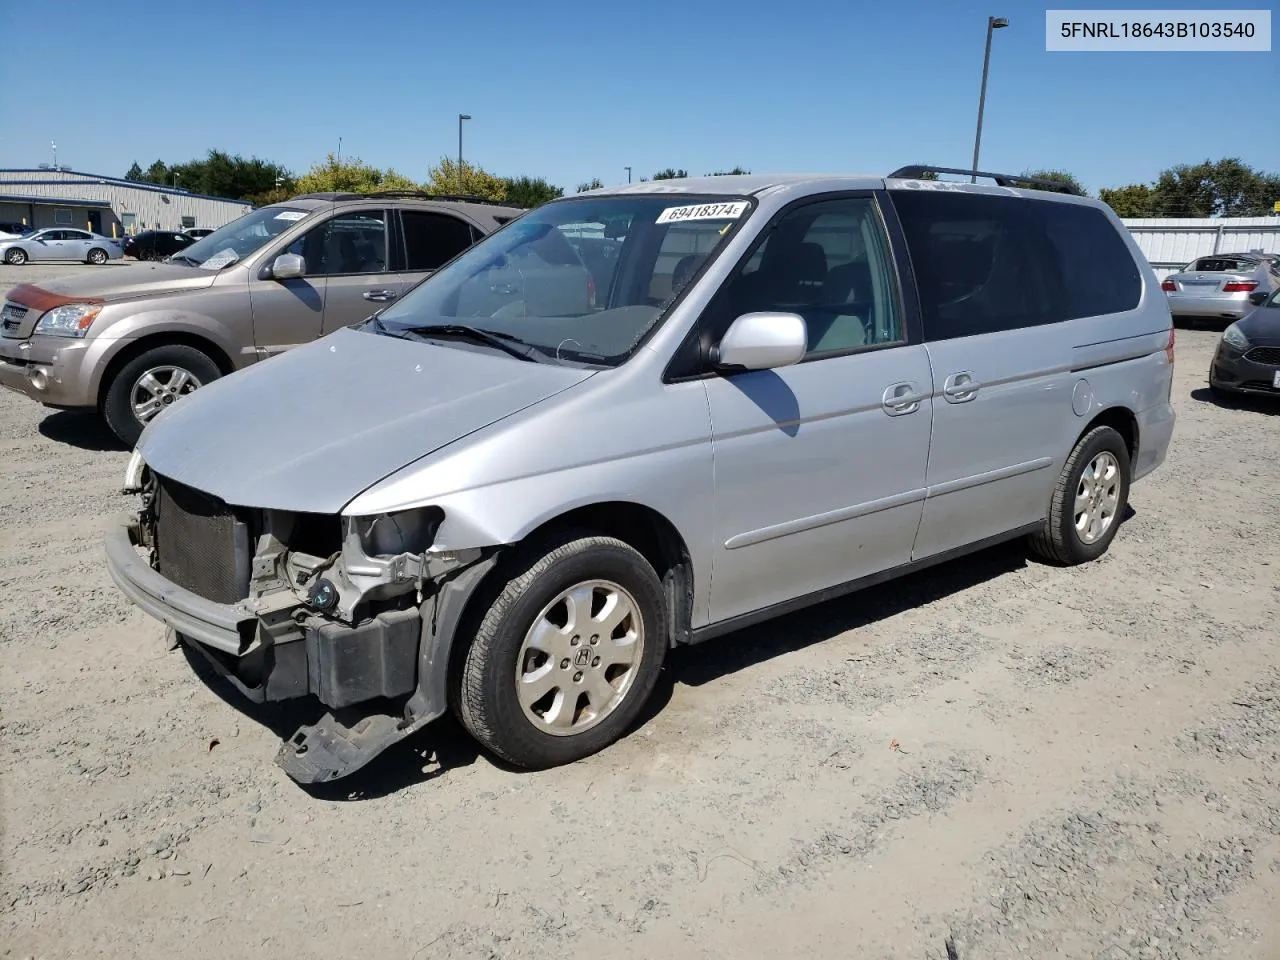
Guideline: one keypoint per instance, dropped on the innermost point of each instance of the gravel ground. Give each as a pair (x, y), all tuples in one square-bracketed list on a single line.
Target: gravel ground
[(993, 759)]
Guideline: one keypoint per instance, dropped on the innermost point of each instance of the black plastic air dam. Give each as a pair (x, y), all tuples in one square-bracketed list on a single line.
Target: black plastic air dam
[(348, 665)]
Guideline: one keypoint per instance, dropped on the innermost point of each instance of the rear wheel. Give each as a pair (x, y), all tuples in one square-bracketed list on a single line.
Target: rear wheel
[(1088, 501), (152, 381), (97, 256), (15, 257), (567, 652)]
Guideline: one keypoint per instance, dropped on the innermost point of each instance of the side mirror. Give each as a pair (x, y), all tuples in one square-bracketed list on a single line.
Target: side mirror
[(288, 266), (1259, 297), (763, 341)]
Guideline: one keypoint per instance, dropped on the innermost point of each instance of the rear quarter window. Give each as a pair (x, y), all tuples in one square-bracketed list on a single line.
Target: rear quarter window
[(986, 264)]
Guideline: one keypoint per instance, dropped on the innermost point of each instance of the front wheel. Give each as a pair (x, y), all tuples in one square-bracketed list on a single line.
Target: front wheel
[(1088, 501), (15, 257), (566, 653), (97, 256), (151, 381)]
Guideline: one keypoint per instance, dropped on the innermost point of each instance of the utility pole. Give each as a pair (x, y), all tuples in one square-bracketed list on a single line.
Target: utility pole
[(461, 117), (993, 23), (628, 169)]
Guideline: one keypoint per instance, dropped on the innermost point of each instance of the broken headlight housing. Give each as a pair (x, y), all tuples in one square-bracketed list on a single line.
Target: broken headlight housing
[(405, 531)]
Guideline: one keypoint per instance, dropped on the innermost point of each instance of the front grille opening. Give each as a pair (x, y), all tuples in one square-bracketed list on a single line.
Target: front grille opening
[(1269, 355), (317, 534), (202, 545)]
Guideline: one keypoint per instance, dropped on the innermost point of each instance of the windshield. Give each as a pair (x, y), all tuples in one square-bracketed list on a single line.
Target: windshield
[(240, 238), (583, 279)]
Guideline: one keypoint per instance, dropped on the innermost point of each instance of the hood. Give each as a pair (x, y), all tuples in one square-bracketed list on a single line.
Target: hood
[(118, 283), (1262, 327), (311, 428)]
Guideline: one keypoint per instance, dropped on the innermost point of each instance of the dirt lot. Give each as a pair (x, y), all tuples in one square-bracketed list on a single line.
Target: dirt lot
[(992, 759)]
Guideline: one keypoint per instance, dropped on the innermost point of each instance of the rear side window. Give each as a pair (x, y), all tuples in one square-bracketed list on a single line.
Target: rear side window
[(432, 239), (1098, 271), (985, 264)]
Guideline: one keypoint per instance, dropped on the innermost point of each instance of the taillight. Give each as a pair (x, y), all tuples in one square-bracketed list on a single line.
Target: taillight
[(1238, 286), (1168, 285), (1168, 347)]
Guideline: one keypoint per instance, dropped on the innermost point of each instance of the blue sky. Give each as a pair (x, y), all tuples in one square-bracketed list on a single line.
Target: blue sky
[(572, 91)]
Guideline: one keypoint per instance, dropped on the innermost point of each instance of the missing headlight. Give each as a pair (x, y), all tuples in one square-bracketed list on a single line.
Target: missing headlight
[(407, 531)]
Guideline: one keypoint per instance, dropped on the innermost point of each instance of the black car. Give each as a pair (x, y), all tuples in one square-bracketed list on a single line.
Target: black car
[(1248, 355), (156, 244)]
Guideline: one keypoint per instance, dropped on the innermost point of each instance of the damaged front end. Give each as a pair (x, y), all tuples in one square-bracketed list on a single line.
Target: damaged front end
[(358, 612)]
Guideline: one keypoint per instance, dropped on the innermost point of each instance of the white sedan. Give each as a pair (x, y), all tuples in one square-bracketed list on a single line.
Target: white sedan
[(60, 243)]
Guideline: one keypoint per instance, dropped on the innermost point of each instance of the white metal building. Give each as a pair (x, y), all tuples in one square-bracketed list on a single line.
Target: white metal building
[(107, 205), (1170, 243)]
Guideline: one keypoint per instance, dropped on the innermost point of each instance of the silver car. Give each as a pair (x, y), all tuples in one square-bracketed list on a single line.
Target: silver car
[(60, 243), (510, 492), (1221, 285)]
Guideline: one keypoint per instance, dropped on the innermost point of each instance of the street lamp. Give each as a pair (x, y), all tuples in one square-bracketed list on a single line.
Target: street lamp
[(461, 117), (993, 23), (628, 169)]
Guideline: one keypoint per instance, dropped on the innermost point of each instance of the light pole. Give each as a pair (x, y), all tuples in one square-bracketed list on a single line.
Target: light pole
[(339, 163), (993, 24), (628, 169), (461, 117)]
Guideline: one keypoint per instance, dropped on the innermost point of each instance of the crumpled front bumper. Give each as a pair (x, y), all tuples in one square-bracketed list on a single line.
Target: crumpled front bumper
[(275, 652), (225, 627)]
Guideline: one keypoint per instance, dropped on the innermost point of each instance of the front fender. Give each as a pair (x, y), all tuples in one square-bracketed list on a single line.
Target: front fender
[(233, 339)]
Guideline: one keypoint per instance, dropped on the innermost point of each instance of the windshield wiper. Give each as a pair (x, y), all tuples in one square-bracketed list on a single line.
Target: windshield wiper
[(508, 343)]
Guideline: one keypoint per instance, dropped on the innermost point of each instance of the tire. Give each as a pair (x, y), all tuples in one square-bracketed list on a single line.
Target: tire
[(529, 592), (1061, 541), (15, 257), (164, 362), (98, 256)]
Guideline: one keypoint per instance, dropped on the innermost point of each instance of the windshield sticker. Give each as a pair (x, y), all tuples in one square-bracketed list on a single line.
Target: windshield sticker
[(290, 215), (704, 211), (221, 259)]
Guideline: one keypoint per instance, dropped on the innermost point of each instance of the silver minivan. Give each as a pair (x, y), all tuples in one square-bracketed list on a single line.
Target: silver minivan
[(714, 401)]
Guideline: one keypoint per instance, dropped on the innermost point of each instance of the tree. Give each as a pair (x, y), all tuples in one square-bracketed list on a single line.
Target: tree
[(1227, 188), (1134, 200), (274, 195), (670, 174), (1060, 175), (735, 172), (593, 184), (351, 175), (135, 173), (158, 172), (469, 180), (530, 192)]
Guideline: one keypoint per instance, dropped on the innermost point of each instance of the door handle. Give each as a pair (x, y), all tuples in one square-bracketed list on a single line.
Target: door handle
[(380, 296), (960, 387), (901, 398)]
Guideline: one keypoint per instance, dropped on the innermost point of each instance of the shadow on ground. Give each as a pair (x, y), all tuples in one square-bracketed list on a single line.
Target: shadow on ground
[(80, 428), (1237, 401), (444, 746)]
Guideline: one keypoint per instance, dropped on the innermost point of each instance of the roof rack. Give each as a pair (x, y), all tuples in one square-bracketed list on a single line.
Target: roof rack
[(916, 172), (401, 194)]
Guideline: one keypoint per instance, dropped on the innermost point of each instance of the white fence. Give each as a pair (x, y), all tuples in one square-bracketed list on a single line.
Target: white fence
[(1170, 244)]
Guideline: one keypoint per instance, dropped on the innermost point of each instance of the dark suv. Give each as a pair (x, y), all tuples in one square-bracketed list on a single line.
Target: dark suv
[(131, 343), (156, 244)]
